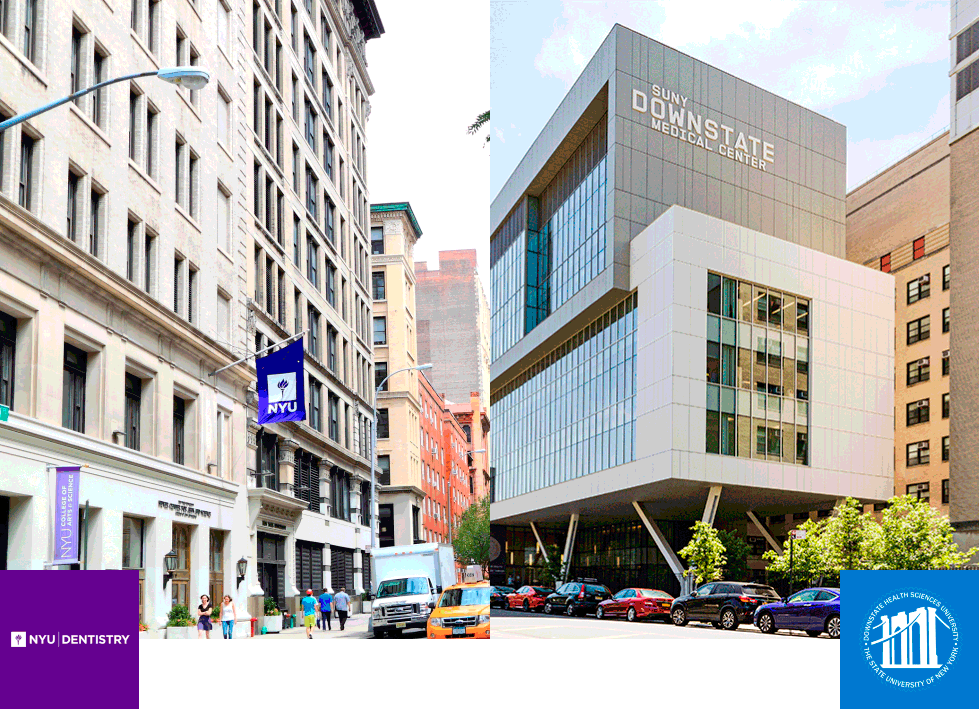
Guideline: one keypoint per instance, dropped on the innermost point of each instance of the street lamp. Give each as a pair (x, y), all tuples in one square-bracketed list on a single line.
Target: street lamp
[(189, 77), (242, 567), (377, 391), (170, 563)]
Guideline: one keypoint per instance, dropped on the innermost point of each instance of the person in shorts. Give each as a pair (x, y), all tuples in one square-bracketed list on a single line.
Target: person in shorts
[(309, 612), (204, 618)]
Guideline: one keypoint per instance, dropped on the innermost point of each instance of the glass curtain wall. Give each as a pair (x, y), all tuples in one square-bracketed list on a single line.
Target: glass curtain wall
[(757, 371)]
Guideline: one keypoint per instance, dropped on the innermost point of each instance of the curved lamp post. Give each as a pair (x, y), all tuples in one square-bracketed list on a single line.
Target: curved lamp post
[(377, 391), (242, 567), (189, 77), (170, 564)]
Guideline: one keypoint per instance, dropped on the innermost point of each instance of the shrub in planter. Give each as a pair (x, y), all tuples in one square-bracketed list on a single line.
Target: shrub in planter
[(270, 607)]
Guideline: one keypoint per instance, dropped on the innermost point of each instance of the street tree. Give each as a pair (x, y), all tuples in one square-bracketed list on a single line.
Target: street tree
[(471, 537), (481, 120), (802, 560), (736, 550), (849, 537), (705, 553), (915, 536)]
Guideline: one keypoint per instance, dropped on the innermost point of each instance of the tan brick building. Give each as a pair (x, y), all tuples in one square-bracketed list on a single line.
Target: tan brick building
[(898, 222)]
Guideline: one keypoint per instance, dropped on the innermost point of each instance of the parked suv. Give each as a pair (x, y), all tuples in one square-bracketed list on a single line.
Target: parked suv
[(577, 597), (723, 604)]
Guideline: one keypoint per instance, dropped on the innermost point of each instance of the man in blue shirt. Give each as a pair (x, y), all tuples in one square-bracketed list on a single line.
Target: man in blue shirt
[(309, 612), (326, 609), (342, 603)]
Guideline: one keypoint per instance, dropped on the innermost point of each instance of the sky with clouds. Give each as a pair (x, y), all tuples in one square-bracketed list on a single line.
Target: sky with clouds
[(431, 80), (879, 68)]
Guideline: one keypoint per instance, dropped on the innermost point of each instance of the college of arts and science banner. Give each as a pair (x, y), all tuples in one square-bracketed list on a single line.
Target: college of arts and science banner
[(281, 396), (66, 515), (909, 638)]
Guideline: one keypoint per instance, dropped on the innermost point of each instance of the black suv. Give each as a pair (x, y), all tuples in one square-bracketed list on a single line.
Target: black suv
[(723, 604), (577, 597), (498, 596)]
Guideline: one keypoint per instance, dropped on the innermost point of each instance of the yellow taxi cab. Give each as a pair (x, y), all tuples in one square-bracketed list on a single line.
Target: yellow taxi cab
[(462, 611)]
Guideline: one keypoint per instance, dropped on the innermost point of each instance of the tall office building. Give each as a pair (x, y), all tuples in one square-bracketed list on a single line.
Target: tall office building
[(146, 231), (394, 232), (964, 296), (898, 223), (676, 335), (453, 325)]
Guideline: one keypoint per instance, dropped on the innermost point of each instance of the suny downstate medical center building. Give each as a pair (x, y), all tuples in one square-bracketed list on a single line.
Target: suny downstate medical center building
[(676, 334)]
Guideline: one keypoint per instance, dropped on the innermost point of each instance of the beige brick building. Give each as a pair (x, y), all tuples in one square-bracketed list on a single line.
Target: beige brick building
[(152, 235), (899, 222), (401, 499)]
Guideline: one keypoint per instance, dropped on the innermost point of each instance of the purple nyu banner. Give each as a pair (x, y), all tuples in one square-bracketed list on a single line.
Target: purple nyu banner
[(66, 516), (72, 634), (281, 396)]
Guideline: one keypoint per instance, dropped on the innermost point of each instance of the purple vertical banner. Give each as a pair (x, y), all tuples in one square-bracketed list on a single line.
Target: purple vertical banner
[(66, 516), (72, 634)]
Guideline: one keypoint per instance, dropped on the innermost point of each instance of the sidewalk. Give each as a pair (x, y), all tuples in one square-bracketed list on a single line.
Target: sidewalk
[(356, 627)]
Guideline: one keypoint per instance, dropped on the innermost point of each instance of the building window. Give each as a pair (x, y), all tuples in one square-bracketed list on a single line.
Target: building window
[(331, 349), (98, 76), (178, 430), (945, 320), (72, 227), (918, 453), (377, 240), (945, 363), (919, 247), (149, 253), (380, 375), (967, 43), (313, 318), (918, 490), (224, 219), (383, 430), (885, 263), (945, 449), (919, 288), (377, 283), (315, 404), (95, 223), (151, 131), (380, 331), (8, 349), (919, 371), (945, 491), (25, 192), (308, 478), (30, 28), (312, 185), (76, 61), (312, 259), (224, 114), (383, 470), (132, 235), (333, 409), (73, 402), (191, 294), (967, 80), (178, 287), (945, 403), (133, 123), (331, 284), (919, 329), (918, 412), (946, 281), (178, 173), (134, 400), (339, 495)]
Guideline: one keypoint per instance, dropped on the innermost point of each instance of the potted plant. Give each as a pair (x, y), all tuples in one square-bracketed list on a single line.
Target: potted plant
[(273, 616), (143, 631), (180, 624)]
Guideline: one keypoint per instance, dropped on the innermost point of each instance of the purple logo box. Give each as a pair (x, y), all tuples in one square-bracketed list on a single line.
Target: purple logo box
[(69, 633)]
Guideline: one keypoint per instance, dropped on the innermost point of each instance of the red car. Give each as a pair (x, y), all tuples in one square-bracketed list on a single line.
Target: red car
[(528, 597), (636, 603)]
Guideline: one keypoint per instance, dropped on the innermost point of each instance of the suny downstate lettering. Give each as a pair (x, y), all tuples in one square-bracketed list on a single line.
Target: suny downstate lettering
[(670, 116)]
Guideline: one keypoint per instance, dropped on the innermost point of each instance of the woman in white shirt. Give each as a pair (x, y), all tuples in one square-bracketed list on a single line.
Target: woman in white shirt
[(228, 617)]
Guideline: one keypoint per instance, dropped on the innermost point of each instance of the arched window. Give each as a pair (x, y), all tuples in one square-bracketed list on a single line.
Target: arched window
[(469, 436)]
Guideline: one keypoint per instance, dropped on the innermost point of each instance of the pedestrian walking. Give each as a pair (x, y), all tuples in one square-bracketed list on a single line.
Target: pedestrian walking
[(341, 602), (204, 618), (326, 608), (229, 616), (309, 612)]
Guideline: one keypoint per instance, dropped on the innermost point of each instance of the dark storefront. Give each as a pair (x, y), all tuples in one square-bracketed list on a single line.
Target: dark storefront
[(309, 567), (272, 567), (618, 555), (342, 569), (385, 523)]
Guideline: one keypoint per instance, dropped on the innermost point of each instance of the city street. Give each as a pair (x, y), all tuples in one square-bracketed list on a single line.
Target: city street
[(511, 625), (356, 629)]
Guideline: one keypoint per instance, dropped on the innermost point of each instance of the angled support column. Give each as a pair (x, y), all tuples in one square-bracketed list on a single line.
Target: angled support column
[(676, 566), (765, 532), (540, 544), (710, 509), (569, 545)]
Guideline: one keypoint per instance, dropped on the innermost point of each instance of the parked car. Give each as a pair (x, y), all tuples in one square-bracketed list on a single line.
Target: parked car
[(577, 597), (815, 610), (528, 598), (636, 604), (498, 596), (723, 604)]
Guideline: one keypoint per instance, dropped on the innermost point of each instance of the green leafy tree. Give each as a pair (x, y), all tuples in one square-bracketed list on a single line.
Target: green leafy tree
[(915, 536), (471, 537), (704, 553), (481, 120), (551, 571), (848, 538), (736, 550), (805, 561)]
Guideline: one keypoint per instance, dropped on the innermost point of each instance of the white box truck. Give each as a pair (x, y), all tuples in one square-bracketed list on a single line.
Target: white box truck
[(406, 579)]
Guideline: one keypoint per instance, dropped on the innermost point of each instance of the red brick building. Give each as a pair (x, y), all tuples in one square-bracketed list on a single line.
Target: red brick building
[(477, 439)]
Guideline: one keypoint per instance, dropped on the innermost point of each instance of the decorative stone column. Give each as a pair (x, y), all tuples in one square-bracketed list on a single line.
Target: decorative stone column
[(325, 501), (328, 568), (200, 565), (158, 541), (355, 499), (287, 466)]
